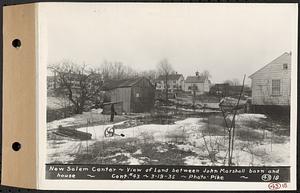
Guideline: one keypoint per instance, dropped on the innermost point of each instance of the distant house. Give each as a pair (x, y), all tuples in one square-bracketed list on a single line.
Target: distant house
[(175, 82), (198, 83), (135, 95), (271, 85), (51, 82)]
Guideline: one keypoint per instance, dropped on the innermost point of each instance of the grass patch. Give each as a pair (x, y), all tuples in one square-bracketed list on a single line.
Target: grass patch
[(121, 151)]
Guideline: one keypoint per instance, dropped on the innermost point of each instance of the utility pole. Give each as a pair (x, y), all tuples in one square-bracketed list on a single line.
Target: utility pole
[(231, 127), (233, 119)]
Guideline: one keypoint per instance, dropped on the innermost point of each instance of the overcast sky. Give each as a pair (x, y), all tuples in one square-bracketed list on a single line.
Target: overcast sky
[(228, 40)]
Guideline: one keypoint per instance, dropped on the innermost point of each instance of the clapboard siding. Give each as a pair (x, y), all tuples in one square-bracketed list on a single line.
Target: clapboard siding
[(142, 99), (202, 87), (122, 95), (262, 82), (135, 95)]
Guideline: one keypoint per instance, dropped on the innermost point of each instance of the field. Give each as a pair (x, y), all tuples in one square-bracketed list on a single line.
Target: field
[(177, 138)]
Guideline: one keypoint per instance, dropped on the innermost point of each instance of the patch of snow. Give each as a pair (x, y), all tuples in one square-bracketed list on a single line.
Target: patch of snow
[(64, 151), (144, 158), (212, 105), (98, 131), (131, 160), (83, 119), (63, 122), (139, 151), (160, 149), (185, 147), (57, 103), (194, 161), (189, 121), (249, 116), (189, 133)]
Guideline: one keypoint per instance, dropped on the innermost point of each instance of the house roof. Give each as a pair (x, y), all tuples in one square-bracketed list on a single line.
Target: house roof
[(170, 77), (121, 83), (222, 84), (195, 79), (285, 54)]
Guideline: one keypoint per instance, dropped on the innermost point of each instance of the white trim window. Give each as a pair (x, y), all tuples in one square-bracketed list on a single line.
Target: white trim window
[(276, 87)]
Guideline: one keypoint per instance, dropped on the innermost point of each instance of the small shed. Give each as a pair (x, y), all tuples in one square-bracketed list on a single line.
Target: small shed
[(135, 94)]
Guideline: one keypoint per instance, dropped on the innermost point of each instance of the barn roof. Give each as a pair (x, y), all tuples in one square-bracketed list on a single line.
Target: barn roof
[(170, 77), (195, 79), (285, 54), (121, 83)]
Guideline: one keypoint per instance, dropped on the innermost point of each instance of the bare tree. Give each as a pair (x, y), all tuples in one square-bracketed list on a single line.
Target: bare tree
[(116, 71), (228, 82), (206, 74), (236, 82), (80, 85), (233, 82), (165, 69), (150, 74)]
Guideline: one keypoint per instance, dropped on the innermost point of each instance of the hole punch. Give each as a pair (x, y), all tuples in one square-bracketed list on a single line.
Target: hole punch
[(16, 43), (16, 146)]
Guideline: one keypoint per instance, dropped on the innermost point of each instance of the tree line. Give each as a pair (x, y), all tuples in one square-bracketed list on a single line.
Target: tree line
[(81, 84)]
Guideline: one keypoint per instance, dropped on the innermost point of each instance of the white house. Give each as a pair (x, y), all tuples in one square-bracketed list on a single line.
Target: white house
[(198, 83), (175, 82), (271, 85)]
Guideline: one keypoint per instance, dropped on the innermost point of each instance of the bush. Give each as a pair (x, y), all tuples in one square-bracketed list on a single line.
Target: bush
[(56, 114)]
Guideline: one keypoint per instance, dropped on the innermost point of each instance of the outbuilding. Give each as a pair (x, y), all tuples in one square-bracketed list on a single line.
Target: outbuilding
[(136, 95)]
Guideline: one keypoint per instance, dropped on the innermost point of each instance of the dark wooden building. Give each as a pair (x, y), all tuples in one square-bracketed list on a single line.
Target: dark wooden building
[(220, 89), (225, 90), (136, 95)]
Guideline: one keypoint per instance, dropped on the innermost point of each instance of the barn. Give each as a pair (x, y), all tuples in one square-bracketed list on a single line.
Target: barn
[(271, 85), (135, 95)]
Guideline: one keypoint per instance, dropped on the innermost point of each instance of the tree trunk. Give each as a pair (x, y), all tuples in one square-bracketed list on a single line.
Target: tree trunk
[(167, 89)]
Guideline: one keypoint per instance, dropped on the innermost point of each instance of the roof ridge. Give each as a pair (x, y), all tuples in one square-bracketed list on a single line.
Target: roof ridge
[(288, 53), (128, 82)]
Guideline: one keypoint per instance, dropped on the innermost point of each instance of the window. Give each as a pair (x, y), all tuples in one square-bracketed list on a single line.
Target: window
[(285, 66), (189, 87), (195, 87), (275, 87)]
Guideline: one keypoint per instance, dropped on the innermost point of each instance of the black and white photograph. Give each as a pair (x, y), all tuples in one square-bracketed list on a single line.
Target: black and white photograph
[(170, 84)]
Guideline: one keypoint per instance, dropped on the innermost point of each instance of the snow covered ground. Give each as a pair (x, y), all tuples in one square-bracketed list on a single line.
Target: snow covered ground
[(190, 142), (94, 116), (56, 102)]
